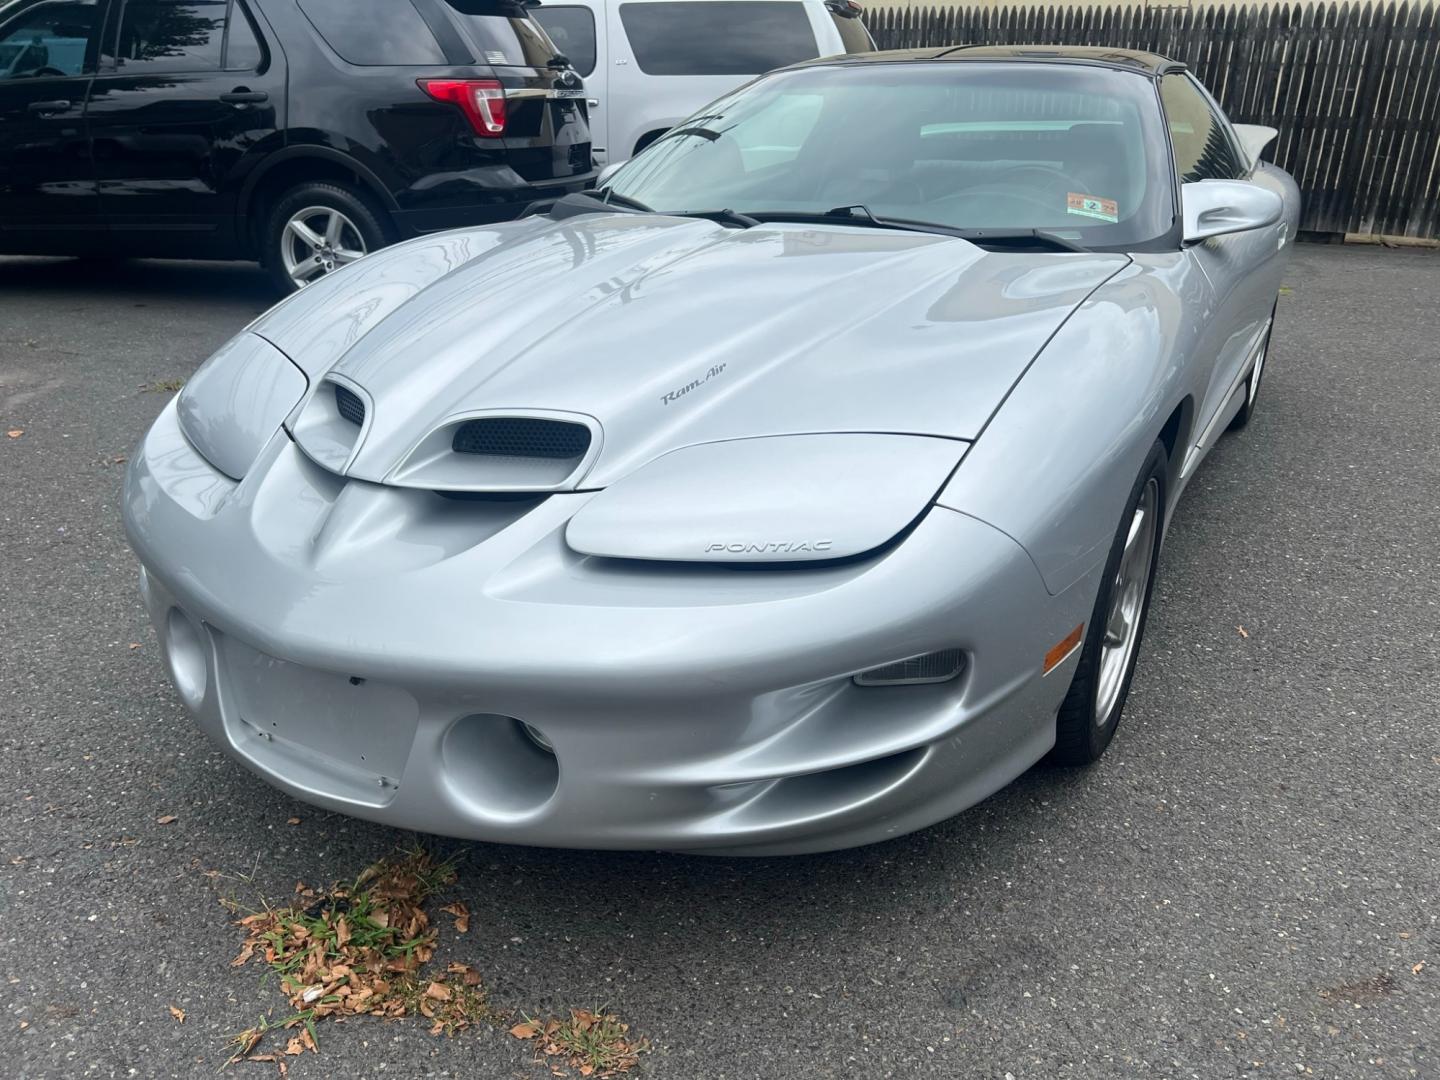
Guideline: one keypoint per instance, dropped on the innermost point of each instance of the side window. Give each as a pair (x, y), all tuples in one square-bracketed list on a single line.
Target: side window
[(391, 32), (243, 51), (572, 29), (47, 40), (1203, 150), (171, 35), (718, 37)]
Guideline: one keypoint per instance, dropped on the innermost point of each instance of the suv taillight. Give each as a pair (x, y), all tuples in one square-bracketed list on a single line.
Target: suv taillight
[(481, 100)]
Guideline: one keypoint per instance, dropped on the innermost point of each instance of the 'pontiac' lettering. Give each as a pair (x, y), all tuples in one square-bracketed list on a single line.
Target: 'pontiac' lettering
[(772, 547)]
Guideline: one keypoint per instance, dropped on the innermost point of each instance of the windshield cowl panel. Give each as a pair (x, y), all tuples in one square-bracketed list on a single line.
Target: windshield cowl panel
[(1075, 153)]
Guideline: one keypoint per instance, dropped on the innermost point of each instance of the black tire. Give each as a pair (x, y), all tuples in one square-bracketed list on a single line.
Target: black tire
[(1252, 384), (1080, 735), (368, 221)]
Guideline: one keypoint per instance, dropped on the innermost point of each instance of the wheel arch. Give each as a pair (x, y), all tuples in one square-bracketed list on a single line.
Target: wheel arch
[(1175, 435), (293, 165), (1054, 466)]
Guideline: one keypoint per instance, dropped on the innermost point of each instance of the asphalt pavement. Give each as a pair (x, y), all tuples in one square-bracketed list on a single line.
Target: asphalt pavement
[(1247, 884)]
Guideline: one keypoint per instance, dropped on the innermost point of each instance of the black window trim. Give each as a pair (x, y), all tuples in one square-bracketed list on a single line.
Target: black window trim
[(1226, 128), (446, 33), (113, 65), (234, 9)]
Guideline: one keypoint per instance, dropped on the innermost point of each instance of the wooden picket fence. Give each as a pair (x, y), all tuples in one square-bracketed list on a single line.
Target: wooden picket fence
[(1354, 90)]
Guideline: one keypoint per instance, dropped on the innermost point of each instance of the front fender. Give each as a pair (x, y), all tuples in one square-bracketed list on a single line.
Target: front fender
[(1057, 461)]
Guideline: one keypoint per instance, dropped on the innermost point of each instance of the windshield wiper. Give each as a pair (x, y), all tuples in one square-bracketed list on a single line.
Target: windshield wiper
[(1020, 238), (859, 214), (720, 217), (607, 201), (610, 198)]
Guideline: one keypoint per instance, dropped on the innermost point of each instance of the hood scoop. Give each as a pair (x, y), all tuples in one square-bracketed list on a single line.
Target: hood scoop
[(492, 450), (502, 450), (333, 422)]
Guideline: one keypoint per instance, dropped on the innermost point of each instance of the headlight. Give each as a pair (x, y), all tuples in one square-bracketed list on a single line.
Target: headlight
[(777, 499), (233, 405)]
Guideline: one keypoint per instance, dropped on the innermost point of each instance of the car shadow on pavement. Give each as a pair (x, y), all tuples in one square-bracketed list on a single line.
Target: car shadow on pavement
[(167, 279)]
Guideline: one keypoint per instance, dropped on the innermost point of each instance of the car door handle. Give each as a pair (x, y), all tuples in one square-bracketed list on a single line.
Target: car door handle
[(594, 103), (245, 97), (45, 108)]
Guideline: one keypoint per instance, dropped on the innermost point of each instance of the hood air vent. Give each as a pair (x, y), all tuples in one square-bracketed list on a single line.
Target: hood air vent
[(503, 450), (522, 437), (349, 405), (332, 423)]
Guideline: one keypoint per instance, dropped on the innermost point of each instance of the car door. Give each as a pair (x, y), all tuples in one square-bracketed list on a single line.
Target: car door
[(578, 31), (191, 102), (48, 50), (1240, 269)]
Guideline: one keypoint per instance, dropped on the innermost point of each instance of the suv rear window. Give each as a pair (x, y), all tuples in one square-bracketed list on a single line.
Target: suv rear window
[(718, 37), (572, 29), (382, 35), (502, 33)]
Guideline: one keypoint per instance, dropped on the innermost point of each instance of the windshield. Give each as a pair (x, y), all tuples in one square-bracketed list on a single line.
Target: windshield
[(1073, 150)]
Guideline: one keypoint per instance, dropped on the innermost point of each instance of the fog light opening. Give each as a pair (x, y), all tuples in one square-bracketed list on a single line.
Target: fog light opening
[(499, 765), (537, 737), (185, 657), (933, 667)]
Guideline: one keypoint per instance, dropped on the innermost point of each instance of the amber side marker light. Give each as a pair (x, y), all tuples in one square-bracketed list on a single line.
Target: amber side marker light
[(1063, 648)]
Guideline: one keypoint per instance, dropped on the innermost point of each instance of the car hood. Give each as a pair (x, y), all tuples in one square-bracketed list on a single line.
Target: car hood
[(667, 332)]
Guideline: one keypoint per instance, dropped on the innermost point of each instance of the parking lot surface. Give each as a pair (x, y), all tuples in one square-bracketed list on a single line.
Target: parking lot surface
[(1246, 885)]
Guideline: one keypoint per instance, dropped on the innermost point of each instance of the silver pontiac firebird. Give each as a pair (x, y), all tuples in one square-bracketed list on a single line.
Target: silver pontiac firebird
[(797, 488)]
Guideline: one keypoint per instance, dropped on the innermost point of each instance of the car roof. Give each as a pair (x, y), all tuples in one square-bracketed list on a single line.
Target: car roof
[(1146, 63)]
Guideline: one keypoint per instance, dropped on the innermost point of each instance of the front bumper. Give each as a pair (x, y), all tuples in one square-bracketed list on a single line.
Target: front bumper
[(372, 650)]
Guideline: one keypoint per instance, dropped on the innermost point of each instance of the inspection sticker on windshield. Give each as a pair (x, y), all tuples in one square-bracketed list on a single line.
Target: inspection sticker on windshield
[(1090, 206)]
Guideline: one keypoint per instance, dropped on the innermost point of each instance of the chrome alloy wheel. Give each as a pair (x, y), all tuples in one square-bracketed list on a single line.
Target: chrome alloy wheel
[(318, 240), (1127, 602)]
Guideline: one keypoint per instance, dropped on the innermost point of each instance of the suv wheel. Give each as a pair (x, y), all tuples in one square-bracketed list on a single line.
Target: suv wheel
[(316, 228)]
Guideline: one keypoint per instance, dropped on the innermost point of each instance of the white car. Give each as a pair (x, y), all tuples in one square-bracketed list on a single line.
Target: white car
[(648, 64)]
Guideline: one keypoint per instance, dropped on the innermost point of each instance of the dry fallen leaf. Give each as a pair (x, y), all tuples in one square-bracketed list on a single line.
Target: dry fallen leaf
[(134, 645), (292, 821), (179, 1014), (168, 819), (295, 1046), (438, 991), (1243, 632), (1418, 968), (462, 916), (526, 1030), (15, 433)]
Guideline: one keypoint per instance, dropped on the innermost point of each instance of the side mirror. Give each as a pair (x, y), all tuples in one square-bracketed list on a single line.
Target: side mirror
[(607, 172), (1219, 207), (1254, 140)]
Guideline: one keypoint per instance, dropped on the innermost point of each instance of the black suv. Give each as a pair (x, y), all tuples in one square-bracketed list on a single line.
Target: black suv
[(301, 133)]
